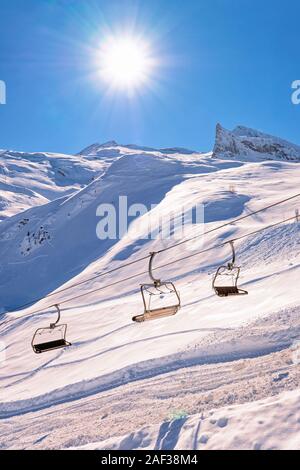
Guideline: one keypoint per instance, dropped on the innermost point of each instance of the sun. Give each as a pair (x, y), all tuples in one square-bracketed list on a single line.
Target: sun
[(125, 62)]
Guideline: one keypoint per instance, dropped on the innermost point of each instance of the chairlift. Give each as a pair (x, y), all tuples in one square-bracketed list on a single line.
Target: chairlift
[(156, 298), (225, 281), (50, 338)]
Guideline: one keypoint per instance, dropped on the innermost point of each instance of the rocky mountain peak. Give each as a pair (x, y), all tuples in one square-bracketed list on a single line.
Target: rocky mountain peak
[(244, 142)]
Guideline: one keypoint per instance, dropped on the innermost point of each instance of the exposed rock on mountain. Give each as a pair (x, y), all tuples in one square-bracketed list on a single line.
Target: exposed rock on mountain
[(245, 142)]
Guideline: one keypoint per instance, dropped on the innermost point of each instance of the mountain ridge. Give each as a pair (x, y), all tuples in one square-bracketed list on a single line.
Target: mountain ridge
[(252, 144)]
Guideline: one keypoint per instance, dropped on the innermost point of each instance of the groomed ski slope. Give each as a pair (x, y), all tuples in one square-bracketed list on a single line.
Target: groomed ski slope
[(110, 352)]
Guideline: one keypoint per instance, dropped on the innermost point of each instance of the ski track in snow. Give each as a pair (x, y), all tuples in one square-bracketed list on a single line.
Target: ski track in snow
[(246, 347)]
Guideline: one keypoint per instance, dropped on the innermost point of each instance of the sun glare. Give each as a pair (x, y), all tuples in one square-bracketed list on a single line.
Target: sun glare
[(125, 62)]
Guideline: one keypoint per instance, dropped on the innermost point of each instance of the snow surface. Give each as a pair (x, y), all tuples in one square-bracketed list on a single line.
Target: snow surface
[(53, 244), (31, 179), (270, 424)]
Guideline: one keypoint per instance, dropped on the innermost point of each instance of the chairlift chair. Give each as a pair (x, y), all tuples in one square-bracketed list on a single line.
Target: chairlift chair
[(50, 338), (158, 290), (224, 288)]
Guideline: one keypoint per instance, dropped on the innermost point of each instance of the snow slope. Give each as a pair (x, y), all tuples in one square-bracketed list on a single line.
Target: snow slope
[(31, 179), (269, 424), (54, 245)]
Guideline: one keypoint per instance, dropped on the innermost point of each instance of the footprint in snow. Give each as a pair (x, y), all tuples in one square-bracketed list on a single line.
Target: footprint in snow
[(222, 422), (204, 439)]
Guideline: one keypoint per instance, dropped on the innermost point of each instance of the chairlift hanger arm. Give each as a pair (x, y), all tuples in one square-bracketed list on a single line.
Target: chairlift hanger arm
[(157, 282), (53, 325), (232, 263)]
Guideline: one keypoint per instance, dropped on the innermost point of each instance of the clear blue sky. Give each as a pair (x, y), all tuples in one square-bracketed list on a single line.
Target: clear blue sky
[(231, 61)]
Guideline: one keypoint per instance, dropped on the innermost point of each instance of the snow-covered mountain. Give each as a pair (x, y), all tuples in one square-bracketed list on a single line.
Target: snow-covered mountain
[(252, 144), (112, 149), (123, 379), (53, 242), (31, 179)]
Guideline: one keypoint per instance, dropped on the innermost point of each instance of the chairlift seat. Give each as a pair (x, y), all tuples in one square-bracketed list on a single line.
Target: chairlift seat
[(156, 313), (50, 346), (225, 291), (222, 275)]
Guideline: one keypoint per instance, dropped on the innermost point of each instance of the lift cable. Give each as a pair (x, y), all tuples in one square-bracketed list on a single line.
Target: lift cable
[(158, 267), (231, 222), (125, 265)]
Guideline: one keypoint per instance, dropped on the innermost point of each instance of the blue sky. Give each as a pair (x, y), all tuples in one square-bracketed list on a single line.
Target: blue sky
[(228, 61)]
